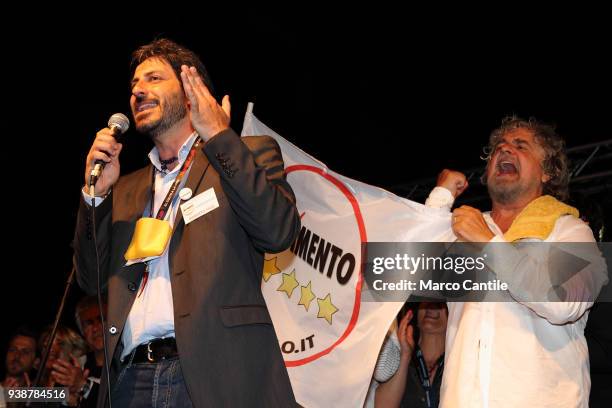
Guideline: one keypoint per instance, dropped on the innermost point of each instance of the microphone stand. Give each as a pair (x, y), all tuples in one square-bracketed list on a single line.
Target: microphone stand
[(51, 338)]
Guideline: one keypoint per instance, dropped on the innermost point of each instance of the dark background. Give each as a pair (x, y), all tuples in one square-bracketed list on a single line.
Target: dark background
[(382, 105)]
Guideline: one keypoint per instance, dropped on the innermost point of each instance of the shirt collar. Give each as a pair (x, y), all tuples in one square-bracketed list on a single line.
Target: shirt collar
[(492, 224), (182, 154)]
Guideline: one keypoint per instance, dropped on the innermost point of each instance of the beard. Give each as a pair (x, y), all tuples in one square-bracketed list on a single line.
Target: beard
[(504, 193), (508, 192), (172, 112)]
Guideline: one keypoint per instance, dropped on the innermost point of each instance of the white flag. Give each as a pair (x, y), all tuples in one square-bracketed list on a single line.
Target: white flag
[(330, 339)]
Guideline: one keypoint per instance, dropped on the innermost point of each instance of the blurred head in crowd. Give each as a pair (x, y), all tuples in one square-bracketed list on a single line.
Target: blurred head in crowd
[(432, 318), (67, 344), (87, 316), (21, 355)]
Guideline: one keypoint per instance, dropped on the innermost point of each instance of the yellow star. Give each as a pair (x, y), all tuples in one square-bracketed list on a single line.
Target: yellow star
[(270, 268), (326, 308), (289, 283), (307, 296)]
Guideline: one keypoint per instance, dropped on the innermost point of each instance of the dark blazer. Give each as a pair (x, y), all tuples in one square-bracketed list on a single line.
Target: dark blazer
[(228, 349)]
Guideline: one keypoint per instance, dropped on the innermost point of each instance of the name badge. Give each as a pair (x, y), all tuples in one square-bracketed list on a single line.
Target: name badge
[(199, 205)]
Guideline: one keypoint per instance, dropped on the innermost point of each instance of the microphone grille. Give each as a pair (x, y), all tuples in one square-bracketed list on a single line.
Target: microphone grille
[(119, 121), (388, 361)]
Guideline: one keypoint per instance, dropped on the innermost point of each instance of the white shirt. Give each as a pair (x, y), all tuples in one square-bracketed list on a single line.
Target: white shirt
[(517, 354), (152, 313)]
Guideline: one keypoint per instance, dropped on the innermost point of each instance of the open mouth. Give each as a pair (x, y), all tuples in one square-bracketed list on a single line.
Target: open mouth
[(505, 167), (145, 105)]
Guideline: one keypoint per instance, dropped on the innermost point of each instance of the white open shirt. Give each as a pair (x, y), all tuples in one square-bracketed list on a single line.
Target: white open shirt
[(511, 354)]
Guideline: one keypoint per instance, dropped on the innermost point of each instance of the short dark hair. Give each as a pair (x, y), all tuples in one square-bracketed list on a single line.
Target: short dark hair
[(24, 331), (555, 163), (173, 53)]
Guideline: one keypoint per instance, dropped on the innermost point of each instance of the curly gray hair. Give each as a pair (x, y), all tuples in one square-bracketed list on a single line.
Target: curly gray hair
[(555, 163)]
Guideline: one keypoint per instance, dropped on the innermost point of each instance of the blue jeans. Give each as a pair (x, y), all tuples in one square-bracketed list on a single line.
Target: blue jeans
[(158, 385)]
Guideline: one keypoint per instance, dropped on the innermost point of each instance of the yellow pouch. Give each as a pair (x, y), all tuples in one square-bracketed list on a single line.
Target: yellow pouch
[(150, 238)]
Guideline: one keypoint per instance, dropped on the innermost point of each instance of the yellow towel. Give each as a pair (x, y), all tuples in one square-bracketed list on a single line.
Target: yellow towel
[(538, 218)]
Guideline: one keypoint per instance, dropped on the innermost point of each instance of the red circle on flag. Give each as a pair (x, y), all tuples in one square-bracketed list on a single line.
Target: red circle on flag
[(363, 237)]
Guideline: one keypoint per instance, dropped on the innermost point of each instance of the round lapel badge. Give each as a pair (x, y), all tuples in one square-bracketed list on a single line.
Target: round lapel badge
[(185, 193)]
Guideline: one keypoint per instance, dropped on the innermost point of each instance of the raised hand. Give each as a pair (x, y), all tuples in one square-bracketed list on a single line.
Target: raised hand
[(69, 374), (452, 180), (207, 117), (405, 335)]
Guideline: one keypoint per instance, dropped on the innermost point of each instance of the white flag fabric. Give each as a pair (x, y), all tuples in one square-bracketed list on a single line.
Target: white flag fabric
[(330, 339)]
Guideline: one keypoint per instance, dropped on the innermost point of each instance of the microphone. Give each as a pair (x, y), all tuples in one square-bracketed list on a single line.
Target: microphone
[(118, 124), (388, 360)]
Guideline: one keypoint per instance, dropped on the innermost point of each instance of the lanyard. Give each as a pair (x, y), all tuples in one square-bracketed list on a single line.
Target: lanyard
[(426, 382), (163, 209)]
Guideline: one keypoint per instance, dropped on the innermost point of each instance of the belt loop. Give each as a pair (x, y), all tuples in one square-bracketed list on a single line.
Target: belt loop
[(149, 351)]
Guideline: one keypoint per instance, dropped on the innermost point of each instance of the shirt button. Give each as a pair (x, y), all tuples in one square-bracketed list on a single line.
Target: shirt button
[(132, 287), (112, 330)]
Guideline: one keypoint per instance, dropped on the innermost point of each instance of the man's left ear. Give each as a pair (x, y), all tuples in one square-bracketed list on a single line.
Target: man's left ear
[(545, 178)]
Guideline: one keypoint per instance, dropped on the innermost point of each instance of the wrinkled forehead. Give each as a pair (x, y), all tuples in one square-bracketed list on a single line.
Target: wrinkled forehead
[(520, 136), (517, 134)]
